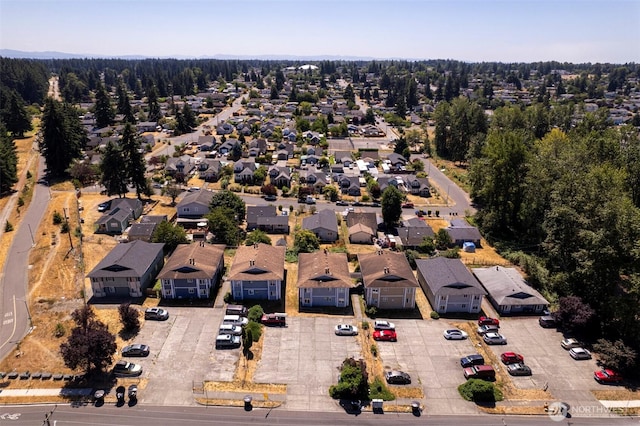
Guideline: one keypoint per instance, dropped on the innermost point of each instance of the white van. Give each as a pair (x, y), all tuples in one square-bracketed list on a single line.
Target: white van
[(227, 341), (235, 320), (234, 330)]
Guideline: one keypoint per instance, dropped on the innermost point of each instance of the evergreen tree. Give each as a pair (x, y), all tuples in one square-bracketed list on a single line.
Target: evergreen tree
[(391, 206), (134, 164), (62, 136), (8, 161), (15, 117), (112, 167), (124, 106), (189, 117), (103, 109), (154, 107)]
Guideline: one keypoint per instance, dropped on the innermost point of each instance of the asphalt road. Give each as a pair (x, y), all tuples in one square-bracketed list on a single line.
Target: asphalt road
[(159, 416), (14, 314)]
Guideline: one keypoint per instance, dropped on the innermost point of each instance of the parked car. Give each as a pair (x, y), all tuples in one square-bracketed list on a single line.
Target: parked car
[(235, 320), (376, 204), (346, 330), (341, 203), (519, 369), (485, 372), (407, 205), (455, 334), (607, 376), (126, 369), (102, 207), (157, 314), (388, 335), (511, 358), (487, 328), (135, 350), (579, 353), (469, 360), (494, 339), (570, 343), (547, 321), (234, 330), (488, 321), (236, 310), (397, 378), (270, 198), (277, 319), (226, 341), (383, 325)]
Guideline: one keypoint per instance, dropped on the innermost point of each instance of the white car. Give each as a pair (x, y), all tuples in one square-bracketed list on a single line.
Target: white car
[(494, 339), (579, 353), (570, 343), (455, 334), (383, 325), (346, 330)]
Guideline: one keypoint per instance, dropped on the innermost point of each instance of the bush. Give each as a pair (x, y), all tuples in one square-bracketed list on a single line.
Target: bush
[(255, 313), (57, 218), (379, 390), (371, 311), (129, 317), (479, 391), (353, 383), (365, 325), (8, 227), (60, 330), (374, 350), (65, 227), (227, 297), (255, 328), (434, 315)]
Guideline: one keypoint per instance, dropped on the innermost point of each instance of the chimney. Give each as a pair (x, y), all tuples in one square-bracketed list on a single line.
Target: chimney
[(326, 270)]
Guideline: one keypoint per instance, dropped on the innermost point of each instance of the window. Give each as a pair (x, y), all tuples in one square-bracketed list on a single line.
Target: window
[(192, 290), (464, 306), (465, 296), (190, 280), (250, 292), (307, 301)]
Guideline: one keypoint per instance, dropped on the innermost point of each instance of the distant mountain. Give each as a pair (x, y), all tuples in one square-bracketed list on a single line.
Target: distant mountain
[(19, 54)]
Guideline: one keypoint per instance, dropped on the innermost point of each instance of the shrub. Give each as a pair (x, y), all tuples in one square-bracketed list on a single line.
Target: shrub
[(379, 390), (255, 328), (255, 313), (374, 350), (453, 253), (8, 227), (353, 383), (434, 315), (129, 317), (365, 325), (57, 218), (227, 297), (20, 201), (65, 227), (60, 330), (479, 391), (29, 174), (371, 311)]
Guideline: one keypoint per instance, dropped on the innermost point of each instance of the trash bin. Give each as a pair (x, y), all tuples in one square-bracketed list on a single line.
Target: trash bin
[(247, 402), (415, 408), (376, 405)]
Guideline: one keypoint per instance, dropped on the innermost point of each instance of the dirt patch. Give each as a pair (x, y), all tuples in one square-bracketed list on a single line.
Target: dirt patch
[(522, 410), (616, 394), (255, 403)]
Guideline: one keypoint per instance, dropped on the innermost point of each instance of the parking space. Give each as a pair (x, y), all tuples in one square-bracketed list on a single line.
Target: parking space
[(183, 351), (432, 361), (567, 379), (306, 356)]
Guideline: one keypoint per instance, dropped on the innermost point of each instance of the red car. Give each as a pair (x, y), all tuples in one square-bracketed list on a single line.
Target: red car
[(388, 335), (488, 321), (407, 206), (511, 358), (607, 376)]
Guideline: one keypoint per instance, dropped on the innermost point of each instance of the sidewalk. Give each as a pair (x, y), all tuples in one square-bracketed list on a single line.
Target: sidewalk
[(45, 392)]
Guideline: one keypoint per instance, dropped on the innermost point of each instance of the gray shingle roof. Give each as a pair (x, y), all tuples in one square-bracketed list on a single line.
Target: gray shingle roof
[(448, 276), (324, 219), (507, 287), (127, 260)]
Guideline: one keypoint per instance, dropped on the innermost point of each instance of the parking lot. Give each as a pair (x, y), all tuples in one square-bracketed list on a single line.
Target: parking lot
[(306, 354)]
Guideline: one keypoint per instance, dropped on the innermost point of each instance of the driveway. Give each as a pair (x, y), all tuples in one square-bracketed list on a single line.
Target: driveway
[(183, 352), (306, 356)]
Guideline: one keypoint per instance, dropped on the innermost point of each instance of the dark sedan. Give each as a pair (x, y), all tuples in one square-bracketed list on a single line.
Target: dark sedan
[(135, 350)]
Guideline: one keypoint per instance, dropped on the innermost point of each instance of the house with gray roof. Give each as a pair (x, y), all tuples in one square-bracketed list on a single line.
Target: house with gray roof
[(449, 285), (267, 219), (462, 232), (508, 291), (122, 211), (323, 280), (192, 271), (127, 270), (324, 224), (194, 206)]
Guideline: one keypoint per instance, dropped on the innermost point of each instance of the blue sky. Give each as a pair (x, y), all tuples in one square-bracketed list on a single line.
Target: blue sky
[(471, 30)]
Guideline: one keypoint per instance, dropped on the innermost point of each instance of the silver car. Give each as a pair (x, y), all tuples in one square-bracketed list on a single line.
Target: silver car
[(492, 338), (579, 353), (346, 330)]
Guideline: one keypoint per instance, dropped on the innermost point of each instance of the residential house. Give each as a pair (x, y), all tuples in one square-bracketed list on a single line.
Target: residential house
[(280, 176), (362, 226), (419, 186), (127, 270), (508, 291), (449, 286), (146, 126), (243, 171), (206, 143), (122, 212), (397, 161), (257, 272), (462, 232), (349, 185), (388, 280), (324, 224), (323, 280), (144, 229), (413, 234), (183, 165), (192, 208), (224, 129), (192, 271), (227, 146), (267, 219), (209, 170)]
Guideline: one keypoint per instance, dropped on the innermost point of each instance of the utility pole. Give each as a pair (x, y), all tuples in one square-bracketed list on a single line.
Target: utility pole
[(66, 217), (47, 416)]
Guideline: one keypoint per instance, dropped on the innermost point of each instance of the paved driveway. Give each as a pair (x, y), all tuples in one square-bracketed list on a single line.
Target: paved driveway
[(183, 351), (305, 356)]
